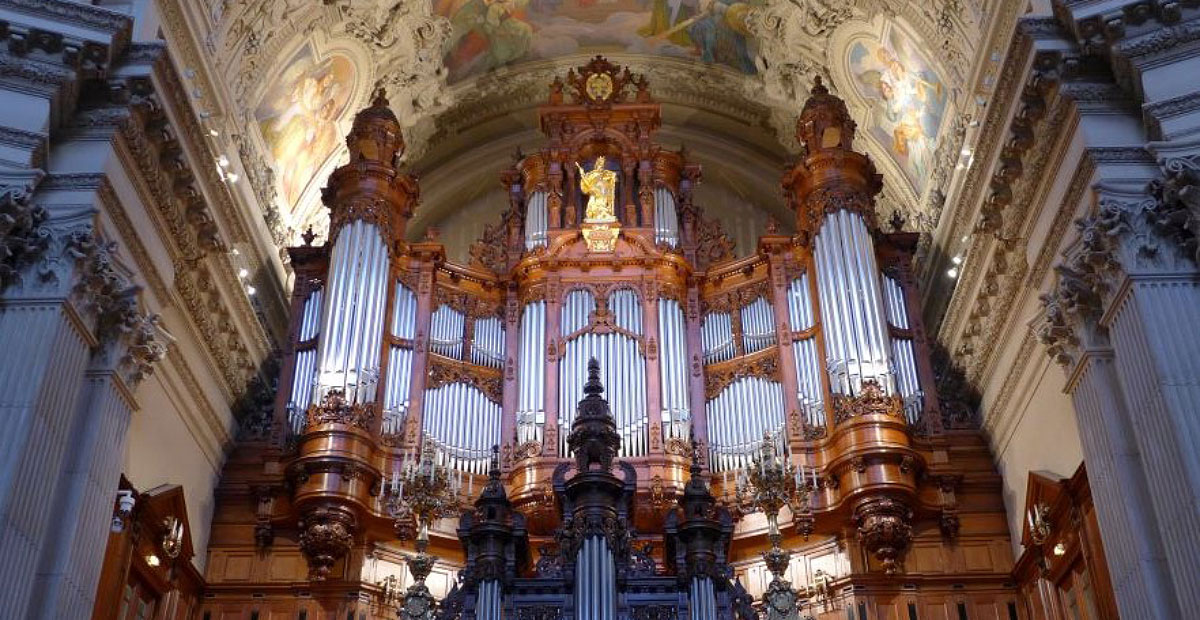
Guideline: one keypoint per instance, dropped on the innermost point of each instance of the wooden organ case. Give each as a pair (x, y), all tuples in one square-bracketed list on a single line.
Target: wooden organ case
[(808, 354)]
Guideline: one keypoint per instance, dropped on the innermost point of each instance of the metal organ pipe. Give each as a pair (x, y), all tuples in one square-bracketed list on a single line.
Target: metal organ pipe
[(536, 220), (758, 325), (595, 581), (446, 328), (716, 336), (804, 353), (531, 398), (352, 317), (487, 344), (666, 219), (673, 360), (399, 379), (488, 605), (852, 313), (306, 361), (903, 354), (739, 416), (702, 599), (621, 362), (461, 425)]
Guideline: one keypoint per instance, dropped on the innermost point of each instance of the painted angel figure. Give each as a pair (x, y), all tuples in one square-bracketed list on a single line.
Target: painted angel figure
[(600, 184)]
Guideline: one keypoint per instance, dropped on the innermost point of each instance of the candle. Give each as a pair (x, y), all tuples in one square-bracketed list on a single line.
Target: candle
[(470, 486), (814, 478)]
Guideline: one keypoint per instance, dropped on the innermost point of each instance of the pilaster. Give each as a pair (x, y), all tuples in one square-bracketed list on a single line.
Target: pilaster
[(1130, 281), (69, 570)]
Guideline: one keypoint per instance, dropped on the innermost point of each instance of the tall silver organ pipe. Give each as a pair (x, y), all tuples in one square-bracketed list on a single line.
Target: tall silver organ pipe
[(306, 361), (446, 328), (739, 416), (804, 352), (716, 336), (531, 392), (352, 317), (487, 344), (673, 360), (758, 325), (666, 218), (399, 379), (595, 581), (626, 309), (852, 318), (488, 605), (536, 220), (621, 363), (904, 361), (702, 599), (461, 426)]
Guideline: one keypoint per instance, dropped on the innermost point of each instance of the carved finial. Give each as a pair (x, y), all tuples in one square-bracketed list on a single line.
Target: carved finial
[(432, 234), (494, 468), (308, 236), (696, 456), (593, 387), (380, 99), (818, 87)]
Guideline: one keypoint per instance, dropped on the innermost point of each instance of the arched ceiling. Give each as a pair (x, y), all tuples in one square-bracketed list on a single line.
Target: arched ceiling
[(465, 77)]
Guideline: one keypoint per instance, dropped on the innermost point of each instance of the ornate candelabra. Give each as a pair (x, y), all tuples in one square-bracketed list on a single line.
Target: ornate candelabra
[(769, 484), (418, 495)]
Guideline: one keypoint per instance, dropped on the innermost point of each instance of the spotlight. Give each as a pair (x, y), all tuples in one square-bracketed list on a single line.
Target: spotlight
[(953, 272)]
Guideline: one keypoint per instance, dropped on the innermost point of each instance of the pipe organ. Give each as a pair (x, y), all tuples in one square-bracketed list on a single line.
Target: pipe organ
[(811, 345)]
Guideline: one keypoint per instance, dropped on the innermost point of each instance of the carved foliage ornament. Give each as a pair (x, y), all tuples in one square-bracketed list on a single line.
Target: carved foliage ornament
[(326, 534), (444, 373), (335, 410), (870, 401), (20, 221), (884, 529), (766, 367)]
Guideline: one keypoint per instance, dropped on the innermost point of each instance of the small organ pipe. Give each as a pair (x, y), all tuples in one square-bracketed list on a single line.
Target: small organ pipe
[(674, 362), (487, 345), (536, 220), (446, 329), (739, 416), (666, 218), (717, 337), (461, 424), (531, 411), (758, 325), (904, 365)]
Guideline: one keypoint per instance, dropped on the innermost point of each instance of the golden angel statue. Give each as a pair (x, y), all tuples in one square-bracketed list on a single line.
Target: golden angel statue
[(600, 184)]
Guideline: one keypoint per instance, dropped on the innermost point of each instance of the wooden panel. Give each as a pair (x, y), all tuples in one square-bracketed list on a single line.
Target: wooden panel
[(978, 557), (237, 567), (927, 559), (287, 568)]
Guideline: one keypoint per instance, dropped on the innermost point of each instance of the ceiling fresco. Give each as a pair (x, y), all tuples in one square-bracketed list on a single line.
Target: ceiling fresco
[(488, 34), (904, 96), (298, 119), (464, 75)]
